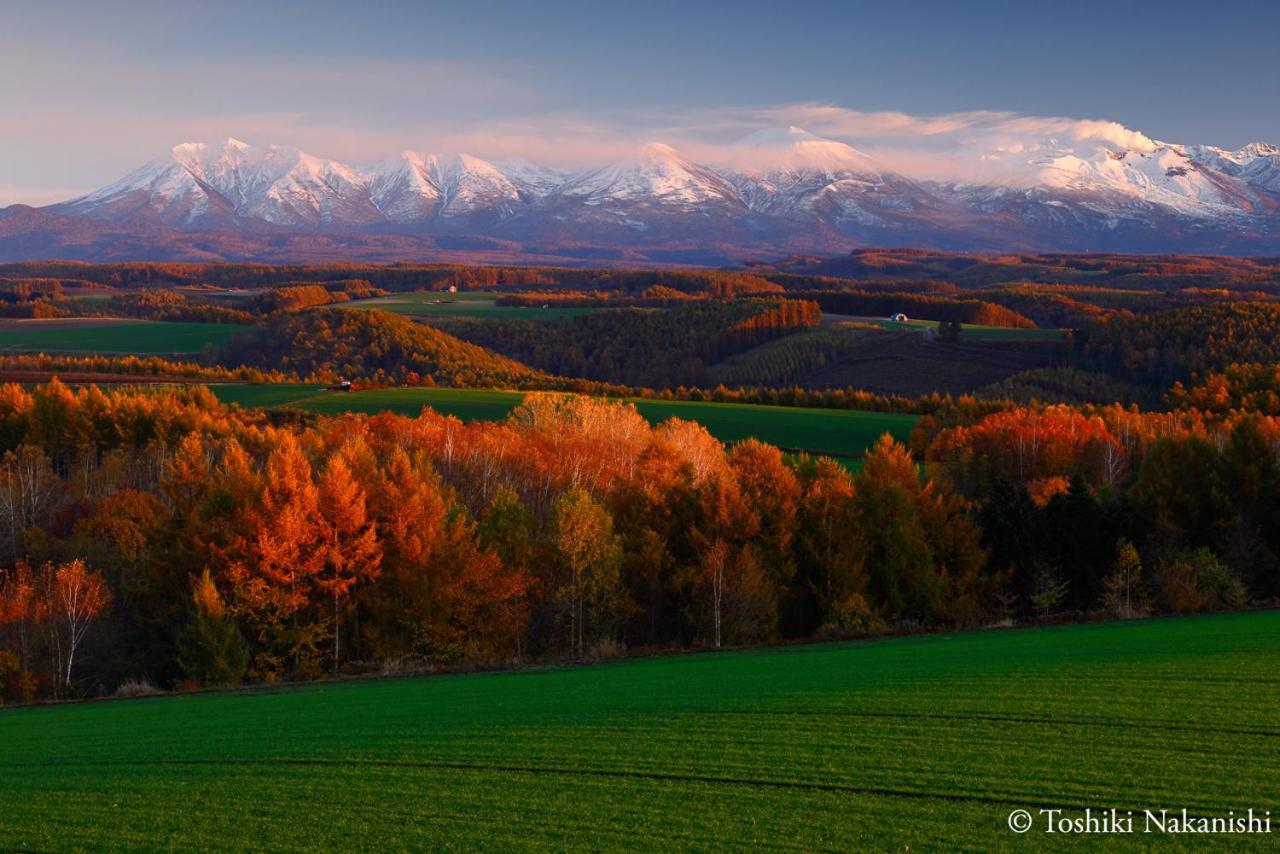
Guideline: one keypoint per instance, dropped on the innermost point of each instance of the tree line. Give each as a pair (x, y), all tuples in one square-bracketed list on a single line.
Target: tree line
[(399, 277), (159, 535)]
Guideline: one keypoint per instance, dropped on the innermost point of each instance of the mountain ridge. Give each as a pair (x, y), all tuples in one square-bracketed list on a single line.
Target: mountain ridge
[(777, 190)]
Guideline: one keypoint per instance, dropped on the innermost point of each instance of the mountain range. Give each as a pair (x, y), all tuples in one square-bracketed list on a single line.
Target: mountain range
[(775, 192)]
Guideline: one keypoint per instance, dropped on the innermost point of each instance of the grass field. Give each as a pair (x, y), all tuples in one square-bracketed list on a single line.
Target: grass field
[(462, 304), (922, 743), (835, 431), (114, 336)]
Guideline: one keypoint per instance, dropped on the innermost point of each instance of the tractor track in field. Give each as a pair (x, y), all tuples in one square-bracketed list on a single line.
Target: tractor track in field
[(989, 717), (599, 773)]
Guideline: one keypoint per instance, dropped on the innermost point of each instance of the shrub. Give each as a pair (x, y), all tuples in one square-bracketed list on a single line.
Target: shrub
[(1188, 582), (136, 688), (851, 615)]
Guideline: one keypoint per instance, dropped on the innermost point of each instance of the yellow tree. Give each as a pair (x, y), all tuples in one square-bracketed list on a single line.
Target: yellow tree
[(829, 536), (590, 554), (900, 562)]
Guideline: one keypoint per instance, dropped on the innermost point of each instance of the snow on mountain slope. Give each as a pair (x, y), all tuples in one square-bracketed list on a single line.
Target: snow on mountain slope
[(291, 187), (1256, 164), (791, 172), (1149, 175), (657, 174), (468, 184), (418, 185), (162, 189), (277, 184), (233, 180), (402, 189), (532, 180)]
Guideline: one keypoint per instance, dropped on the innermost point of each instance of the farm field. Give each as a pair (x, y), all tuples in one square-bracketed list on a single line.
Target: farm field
[(462, 304), (974, 332), (909, 365), (111, 335), (968, 331), (835, 431), (922, 742)]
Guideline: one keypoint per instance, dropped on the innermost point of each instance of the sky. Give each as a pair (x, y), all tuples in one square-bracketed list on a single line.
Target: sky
[(91, 90)]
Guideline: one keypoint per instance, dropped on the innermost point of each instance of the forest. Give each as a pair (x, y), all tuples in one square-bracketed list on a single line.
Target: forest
[(157, 535), (150, 535)]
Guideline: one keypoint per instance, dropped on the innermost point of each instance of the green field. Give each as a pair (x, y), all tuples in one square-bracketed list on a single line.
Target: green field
[(462, 304), (834, 431), (142, 337), (914, 743)]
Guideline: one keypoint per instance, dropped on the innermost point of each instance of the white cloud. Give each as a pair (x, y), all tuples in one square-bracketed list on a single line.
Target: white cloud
[(955, 146)]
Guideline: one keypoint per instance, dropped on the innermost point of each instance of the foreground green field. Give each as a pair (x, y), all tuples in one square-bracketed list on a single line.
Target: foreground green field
[(114, 336), (835, 431), (462, 304), (926, 742)]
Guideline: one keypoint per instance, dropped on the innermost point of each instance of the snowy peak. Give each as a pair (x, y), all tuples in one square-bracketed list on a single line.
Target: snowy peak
[(657, 174), (775, 151), (231, 181), (468, 184), (419, 185), (162, 190), (402, 189)]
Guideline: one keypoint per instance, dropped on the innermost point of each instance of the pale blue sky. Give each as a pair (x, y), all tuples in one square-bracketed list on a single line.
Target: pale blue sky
[(90, 90)]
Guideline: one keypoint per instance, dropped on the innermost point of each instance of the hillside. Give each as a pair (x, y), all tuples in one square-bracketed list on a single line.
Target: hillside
[(370, 345)]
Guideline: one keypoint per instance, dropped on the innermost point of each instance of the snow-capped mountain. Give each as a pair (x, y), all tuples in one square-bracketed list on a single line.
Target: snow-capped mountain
[(791, 172), (1147, 176), (781, 152), (203, 184), (403, 190), (657, 175), (777, 189), (418, 186), (1257, 164)]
